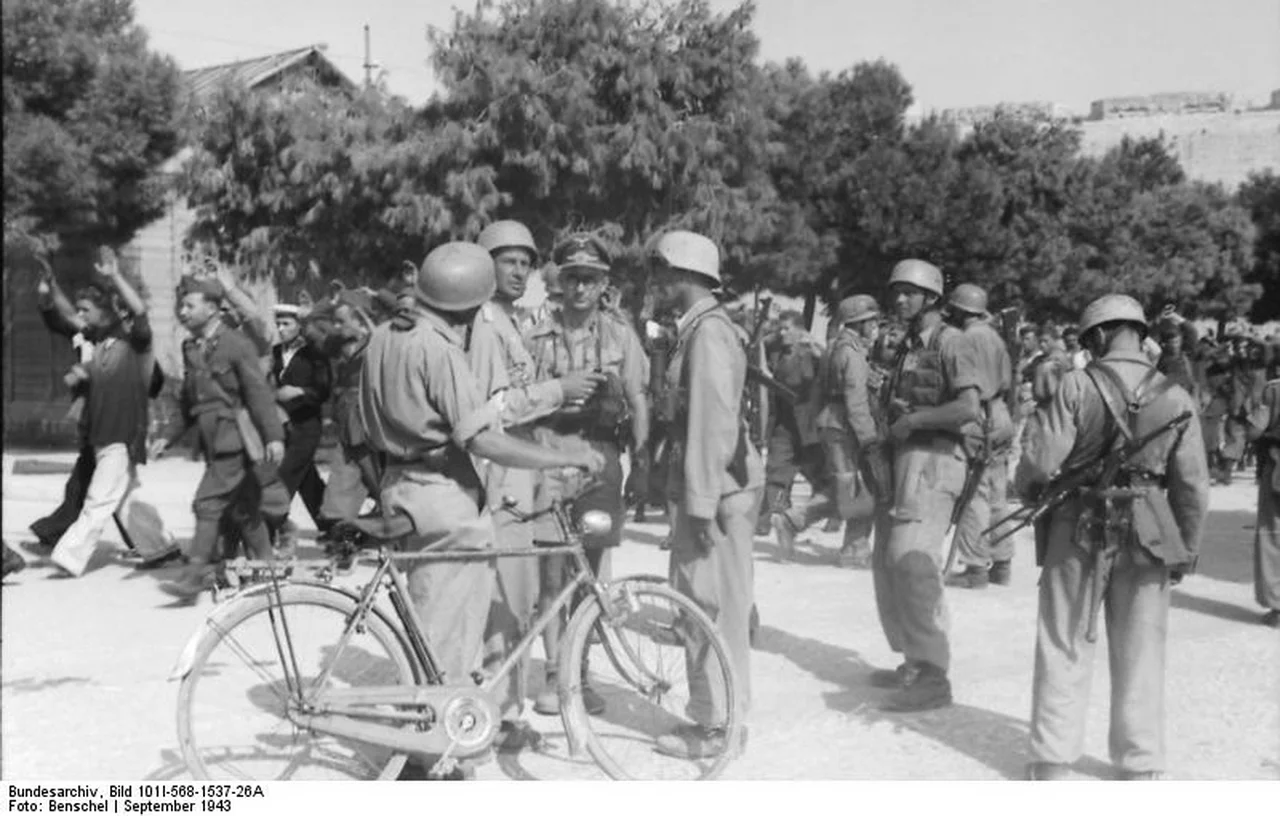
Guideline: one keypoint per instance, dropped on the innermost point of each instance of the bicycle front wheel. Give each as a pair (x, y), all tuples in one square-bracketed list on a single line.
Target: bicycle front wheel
[(235, 702), (661, 670)]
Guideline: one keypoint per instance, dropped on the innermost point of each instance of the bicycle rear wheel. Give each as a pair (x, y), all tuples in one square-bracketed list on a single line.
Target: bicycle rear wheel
[(233, 705), (660, 666)]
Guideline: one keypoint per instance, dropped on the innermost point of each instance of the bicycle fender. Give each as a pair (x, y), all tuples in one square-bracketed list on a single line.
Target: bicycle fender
[(223, 610)]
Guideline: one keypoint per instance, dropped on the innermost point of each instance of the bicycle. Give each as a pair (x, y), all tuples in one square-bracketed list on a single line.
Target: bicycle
[(365, 693)]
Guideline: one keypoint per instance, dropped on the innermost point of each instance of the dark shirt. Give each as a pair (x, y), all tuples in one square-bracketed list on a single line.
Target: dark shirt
[(119, 383), (308, 370)]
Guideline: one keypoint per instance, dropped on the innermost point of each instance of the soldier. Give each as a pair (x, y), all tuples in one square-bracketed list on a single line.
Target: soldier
[(715, 478), (1146, 523), (934, 398), (990, 370), (793, 445), (849, 436), (226, 396), (1264, 424), (583, 337), (504, 370), (424, 412)]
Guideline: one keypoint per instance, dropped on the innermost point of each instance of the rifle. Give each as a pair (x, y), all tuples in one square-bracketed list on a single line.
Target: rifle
[(1098, 479), (972, 480), (1088, 475)]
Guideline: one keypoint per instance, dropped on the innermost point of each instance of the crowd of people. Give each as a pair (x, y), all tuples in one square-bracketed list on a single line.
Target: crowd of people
[(917, 424)]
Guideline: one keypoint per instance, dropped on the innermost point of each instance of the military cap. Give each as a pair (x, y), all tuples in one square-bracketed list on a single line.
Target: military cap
[(201, 285), (582, 251)]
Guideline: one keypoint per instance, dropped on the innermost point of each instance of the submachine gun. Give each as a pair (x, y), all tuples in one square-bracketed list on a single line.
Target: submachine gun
[(1095, 479)]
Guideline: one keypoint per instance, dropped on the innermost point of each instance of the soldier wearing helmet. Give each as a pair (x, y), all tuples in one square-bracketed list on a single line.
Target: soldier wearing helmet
[(505, 372), (715, 477), (932, 400), (426, 415), (990, 440), (850, 436), (582, 338), (793, 444), (1122, 544)]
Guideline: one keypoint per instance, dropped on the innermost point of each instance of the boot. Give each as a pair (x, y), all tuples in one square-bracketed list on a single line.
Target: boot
[(785, 532), (930, 690), (12, 561), (898, 678), (971, 578), (1047, 772), (1001, 572), (196, 578)]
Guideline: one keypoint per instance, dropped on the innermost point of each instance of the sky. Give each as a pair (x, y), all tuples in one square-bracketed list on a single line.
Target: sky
[(954, 53)]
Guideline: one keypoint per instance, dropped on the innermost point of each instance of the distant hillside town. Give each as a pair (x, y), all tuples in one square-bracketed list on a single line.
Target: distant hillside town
[(1216, 136)]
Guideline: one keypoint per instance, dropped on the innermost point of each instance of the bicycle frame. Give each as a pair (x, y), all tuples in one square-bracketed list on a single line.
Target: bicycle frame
[(347, 713)]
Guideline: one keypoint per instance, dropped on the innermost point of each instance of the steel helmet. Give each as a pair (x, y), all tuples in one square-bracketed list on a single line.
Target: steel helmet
[(1110, 309), (969, 298), (691, 252), (456, 276), (856, 308), (505, 235), (918, 273)]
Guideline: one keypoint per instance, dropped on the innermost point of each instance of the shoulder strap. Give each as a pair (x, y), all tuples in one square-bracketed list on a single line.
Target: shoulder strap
[(1123, 404)]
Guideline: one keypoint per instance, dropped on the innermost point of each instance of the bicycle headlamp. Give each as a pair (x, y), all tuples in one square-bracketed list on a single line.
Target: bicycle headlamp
[(596, 523)]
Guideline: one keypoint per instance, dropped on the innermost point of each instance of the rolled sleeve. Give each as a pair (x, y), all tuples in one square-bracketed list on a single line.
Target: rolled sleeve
[(454, 390), (1051, 435)]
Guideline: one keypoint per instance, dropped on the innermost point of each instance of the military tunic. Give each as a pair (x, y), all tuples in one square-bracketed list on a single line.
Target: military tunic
[(929, 472), (848, 430), (504, 370), (607, 344), (715, 473), (223, 374), (987, 366), (1265, 421), (1072, 432), (420, 406)]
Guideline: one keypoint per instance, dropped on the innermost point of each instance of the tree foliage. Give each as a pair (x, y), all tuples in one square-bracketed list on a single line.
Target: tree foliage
[(628, 118), (90, 115), (1260, 196), (308, 181)]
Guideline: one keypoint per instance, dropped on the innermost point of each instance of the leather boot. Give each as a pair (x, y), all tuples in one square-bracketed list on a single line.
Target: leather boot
[(195, 578)]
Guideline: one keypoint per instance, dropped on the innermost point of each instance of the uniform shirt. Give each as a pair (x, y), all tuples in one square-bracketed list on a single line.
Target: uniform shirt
[(796, 366), (505, 370), (605, 343), (707, 373), (1068, 435), (983, 363), (846, 397), (417, 392), (221, 365)]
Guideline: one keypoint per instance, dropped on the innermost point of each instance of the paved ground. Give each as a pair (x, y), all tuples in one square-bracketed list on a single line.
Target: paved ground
[(85, 662)]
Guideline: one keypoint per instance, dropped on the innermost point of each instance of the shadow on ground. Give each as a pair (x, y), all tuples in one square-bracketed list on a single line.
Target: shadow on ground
[(1226, 551), (996, 740)]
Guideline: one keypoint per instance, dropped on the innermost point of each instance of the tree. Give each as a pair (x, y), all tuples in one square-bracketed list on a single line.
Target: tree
[(307, 182), (1260, 196), (627, 119), (90, 115)]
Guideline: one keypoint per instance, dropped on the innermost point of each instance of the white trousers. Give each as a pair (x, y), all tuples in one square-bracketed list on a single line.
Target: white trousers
[(113, 478)]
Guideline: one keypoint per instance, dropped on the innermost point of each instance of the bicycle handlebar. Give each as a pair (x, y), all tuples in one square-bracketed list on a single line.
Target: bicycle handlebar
[(509, 504)]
